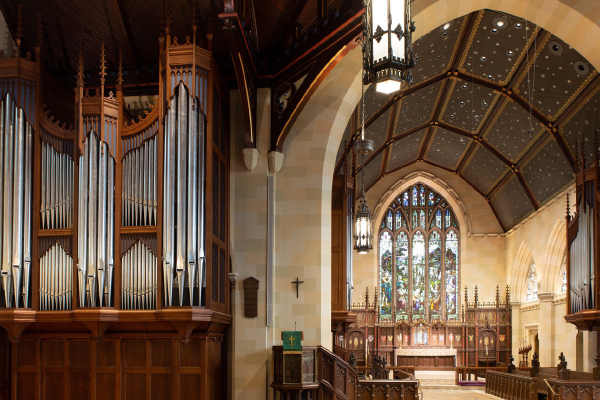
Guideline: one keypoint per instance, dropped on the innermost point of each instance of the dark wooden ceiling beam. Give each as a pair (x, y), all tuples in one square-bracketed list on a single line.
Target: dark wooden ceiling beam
[(128, 32), (522, 68), (528, 191), (292, 22), (463, 41), (583, 96), (499, 183)]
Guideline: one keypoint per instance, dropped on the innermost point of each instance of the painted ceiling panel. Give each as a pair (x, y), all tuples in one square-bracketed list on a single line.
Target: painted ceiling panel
[(372, 172), (405, 150), (434, 50), (446, 148), (416, 109), (373, 101), (497, 47), (511, 203), (548, 172), (509, 133), (582, 126), (378, 130), (484, 169), (557, 76), (468, 105)]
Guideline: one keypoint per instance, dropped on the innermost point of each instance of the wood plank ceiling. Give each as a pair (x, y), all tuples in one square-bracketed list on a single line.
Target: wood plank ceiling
[(469, 112), (133, 26)]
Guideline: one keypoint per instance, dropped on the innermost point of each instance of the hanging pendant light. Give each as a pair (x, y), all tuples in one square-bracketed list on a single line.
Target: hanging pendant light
[(363, 223), (388, 49)]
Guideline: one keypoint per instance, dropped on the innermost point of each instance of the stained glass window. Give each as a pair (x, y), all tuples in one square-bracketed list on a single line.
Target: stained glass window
[(435, 272), (451, 258), (563, 286), (385, 265), (418, 264), (423, 277), (389, 220), (402, 283), (532, 283)]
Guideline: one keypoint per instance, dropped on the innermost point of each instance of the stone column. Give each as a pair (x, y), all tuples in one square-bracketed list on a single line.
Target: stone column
[(590, 347), (517, 329), (546, 329)]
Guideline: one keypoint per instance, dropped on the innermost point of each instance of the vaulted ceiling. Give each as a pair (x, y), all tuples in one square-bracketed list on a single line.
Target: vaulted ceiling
[(496, 100)]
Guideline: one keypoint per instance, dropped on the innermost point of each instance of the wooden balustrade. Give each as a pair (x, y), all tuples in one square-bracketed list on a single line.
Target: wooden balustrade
[(380, 389), (474, 373), (572, 390), (511, 386)]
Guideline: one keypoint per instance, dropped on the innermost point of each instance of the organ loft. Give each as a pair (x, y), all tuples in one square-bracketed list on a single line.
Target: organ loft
[(299, 199)]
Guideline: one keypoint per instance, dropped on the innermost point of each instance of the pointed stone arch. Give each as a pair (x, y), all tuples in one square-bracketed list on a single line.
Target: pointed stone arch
[(519, 272), (554, 255)]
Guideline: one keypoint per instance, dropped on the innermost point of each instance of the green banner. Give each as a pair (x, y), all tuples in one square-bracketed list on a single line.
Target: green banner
[(292, 340)]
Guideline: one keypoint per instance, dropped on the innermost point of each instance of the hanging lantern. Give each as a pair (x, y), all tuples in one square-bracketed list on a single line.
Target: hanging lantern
[(363, 223), (363, 227), (388, 49)]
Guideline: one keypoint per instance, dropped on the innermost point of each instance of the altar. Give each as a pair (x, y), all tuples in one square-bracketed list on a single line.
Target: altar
[(427, 358)]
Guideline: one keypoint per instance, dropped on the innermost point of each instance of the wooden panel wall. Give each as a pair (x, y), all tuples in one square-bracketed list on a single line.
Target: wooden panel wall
[(117, 368), (4, 366)]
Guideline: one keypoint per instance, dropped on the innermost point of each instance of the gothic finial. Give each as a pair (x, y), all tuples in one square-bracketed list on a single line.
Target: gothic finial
[(466, 295), (120, 77), (367, 297), (568, 208), (40, 30), (19, 23), (168, 17), (476, 296), (80, 69), (102, 65), (497, 295), (507, 295)]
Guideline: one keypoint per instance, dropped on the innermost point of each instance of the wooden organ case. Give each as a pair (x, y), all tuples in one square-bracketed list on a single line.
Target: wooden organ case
[(113, 279), (582, 250)]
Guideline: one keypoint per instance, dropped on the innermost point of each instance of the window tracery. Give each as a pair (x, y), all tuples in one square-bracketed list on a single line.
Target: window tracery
[(532, 283), (419, 256)]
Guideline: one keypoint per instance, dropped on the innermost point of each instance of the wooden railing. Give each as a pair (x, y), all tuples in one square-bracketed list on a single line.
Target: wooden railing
[(474, 373), (388, 389), (572, 390), (403, 371), (337, 380), (511, 386)]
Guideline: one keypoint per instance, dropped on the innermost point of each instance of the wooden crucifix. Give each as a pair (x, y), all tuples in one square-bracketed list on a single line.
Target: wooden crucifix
[(297, 283)]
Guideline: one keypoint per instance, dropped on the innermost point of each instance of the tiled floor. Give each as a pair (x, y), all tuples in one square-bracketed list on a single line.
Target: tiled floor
[(442, 394)]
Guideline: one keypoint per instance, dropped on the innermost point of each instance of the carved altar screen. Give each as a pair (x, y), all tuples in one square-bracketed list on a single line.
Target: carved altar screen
[(419, 257)]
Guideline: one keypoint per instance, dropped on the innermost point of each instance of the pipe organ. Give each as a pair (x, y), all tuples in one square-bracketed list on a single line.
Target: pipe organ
[(57, 188), (15, 203), (582, 252), (56, 279), (113, 259), (183, 227), (95, 225), (139, 185)]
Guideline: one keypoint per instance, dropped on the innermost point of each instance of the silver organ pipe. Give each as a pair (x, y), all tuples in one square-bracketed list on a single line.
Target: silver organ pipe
[(184, 196), (57, 189), (139, 278), (15, 203), (95, 228), (582, 257), (139, 188), (56, 279)]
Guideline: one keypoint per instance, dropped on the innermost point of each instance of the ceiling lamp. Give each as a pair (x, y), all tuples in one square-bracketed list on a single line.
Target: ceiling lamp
[(387, 52), (363, 223)]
